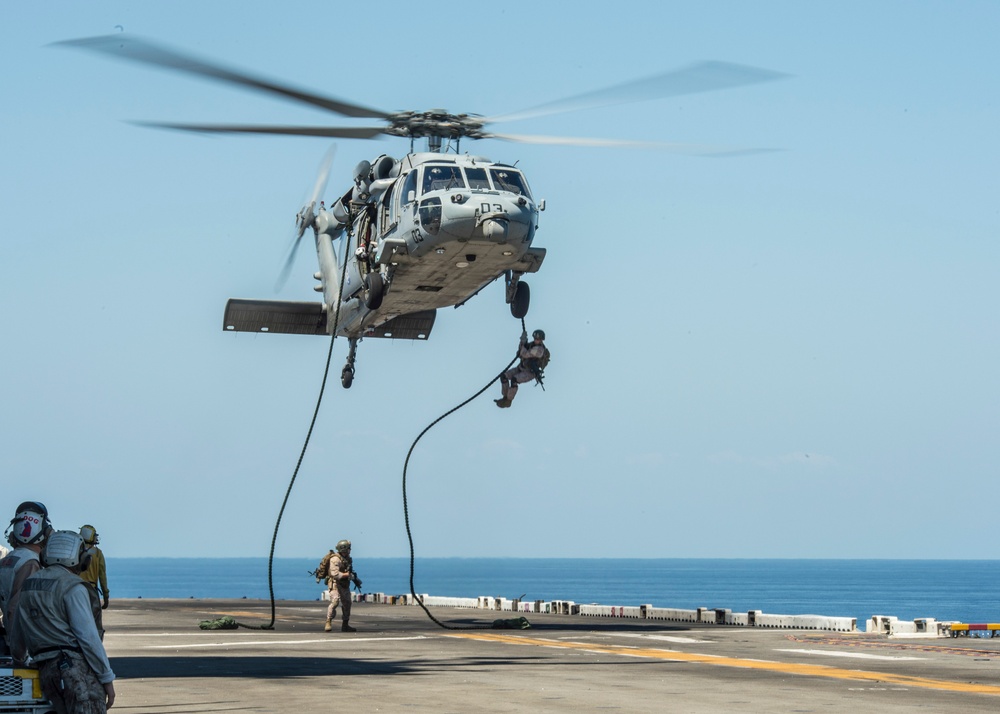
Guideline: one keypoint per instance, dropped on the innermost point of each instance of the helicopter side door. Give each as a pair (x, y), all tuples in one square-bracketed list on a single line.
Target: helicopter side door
[(358, 263)]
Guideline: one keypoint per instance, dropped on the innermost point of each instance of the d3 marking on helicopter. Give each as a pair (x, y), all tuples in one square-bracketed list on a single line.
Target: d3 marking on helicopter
[(426, 231)]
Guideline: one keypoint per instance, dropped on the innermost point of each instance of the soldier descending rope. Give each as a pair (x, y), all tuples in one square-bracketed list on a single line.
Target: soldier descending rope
[(534, 359)]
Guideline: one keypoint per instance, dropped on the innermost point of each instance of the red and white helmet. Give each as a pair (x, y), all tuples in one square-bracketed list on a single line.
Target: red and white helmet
[(30, 524)]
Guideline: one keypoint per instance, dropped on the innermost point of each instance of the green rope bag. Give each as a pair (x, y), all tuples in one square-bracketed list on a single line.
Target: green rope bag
[(223, 623)]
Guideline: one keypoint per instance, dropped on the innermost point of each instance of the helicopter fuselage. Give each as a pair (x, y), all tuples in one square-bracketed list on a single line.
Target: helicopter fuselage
[(425, 232)]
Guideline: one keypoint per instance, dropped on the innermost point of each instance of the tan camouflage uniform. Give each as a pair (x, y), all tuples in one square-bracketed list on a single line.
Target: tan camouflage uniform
[(75, 689), (338, 583)]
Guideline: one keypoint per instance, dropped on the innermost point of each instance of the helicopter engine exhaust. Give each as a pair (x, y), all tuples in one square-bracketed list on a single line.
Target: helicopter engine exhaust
[(384, 167), (373, 178)]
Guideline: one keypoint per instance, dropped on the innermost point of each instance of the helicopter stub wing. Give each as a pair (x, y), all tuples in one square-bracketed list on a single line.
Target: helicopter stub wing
[(287, 317), (282, 316), (412, 326)]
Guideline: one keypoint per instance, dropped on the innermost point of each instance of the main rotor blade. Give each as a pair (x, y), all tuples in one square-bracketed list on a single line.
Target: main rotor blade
[(346, 132), (673, 148), (139, 50), (699, 77)]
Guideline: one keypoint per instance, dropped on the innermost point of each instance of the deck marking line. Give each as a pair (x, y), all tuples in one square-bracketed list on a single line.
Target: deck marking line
[(327, 640), (809, 670), (851, 655), (665, 638)]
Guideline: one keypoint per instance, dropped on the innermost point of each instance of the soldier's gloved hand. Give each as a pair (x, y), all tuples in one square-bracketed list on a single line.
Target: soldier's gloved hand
[(104, 605), (524, 335)]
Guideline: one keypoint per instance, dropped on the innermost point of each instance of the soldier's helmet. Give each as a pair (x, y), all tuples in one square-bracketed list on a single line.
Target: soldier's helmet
[(89, 535), (30, 524), (64, 548)]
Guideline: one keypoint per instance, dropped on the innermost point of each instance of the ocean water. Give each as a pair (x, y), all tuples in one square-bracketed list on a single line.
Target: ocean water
[(963, 590)]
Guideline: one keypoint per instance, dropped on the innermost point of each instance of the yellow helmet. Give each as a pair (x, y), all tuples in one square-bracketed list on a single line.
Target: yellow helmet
[(89, 535)]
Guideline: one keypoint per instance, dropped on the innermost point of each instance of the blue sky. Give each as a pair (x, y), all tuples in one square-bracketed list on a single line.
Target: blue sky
[(791, 354)]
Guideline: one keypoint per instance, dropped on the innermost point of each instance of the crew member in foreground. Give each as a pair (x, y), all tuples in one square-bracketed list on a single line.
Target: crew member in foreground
[(57, 627), (27, 533), (339, 574)]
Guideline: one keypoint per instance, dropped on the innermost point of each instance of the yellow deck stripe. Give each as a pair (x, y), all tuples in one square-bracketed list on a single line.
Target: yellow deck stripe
[(965, 627), (809, 670)]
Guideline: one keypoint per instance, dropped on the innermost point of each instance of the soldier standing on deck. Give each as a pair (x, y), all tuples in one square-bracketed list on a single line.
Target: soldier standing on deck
[(339, 574)]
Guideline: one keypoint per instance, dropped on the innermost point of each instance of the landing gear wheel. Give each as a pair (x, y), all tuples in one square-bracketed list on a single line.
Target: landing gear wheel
[(519, 304), (347, 373), (373, 291)]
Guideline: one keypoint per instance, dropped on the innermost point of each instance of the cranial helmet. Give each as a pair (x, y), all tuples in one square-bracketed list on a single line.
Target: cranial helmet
[(89, 535), (30, 524), (343, 546), (64, 548), (538, 334)]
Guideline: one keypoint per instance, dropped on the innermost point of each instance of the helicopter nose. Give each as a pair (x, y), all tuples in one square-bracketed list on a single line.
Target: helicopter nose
[(494, 221)]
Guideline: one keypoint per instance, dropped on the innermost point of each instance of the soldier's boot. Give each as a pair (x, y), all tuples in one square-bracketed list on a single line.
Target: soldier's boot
[(509, 390), (329, 626), (344, 627)]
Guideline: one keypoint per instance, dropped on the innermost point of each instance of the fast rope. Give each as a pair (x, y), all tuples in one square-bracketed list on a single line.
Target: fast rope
[(228, 623), (497, 624)]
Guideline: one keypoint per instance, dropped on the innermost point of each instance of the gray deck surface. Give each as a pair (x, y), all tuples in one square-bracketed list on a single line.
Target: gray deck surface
[(401, 661)]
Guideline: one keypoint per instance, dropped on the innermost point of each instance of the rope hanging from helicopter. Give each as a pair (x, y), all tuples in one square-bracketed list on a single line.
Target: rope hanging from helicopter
[(232, 623), (228, 622), (496, 624)]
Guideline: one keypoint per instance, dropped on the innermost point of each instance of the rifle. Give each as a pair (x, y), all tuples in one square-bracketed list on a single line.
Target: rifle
[(356, 580)]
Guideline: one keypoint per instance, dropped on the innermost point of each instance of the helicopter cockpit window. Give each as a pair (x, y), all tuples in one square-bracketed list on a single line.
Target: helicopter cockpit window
[(477, 178), (509, 180), (430, 215), (409, 184), (437, 178)]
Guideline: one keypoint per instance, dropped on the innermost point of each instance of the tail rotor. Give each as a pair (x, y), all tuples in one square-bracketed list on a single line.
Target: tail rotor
[(306, 217)]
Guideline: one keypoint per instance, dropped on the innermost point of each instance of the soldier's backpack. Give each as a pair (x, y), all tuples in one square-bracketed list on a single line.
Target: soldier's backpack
[(324, 566)]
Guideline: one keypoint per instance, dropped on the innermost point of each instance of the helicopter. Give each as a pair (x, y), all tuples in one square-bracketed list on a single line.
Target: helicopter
[(427, 231)]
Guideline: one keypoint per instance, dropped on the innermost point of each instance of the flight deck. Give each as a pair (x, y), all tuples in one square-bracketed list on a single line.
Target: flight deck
[(399, 660)]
